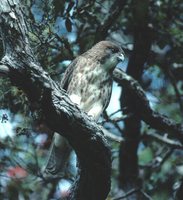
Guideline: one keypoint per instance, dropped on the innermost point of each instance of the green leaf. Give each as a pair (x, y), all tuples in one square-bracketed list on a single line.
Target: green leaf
[(145, 155)]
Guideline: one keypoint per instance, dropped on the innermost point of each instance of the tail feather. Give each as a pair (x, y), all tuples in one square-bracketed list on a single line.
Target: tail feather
[(58, 156)]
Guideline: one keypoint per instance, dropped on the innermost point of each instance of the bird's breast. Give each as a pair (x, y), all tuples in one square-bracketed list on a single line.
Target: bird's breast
[(90, 85)]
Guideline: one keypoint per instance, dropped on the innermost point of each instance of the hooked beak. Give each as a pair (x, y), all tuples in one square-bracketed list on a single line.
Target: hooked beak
[(121, 57)]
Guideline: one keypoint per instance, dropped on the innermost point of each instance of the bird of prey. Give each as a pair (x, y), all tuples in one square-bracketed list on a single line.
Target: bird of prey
[(88, 82)]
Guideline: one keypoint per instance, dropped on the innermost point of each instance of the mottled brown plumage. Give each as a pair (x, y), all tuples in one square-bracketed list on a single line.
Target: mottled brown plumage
[(88, 79), (88, 82)]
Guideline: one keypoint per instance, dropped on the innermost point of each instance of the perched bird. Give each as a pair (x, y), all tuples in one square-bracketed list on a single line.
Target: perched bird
[(88, 82)]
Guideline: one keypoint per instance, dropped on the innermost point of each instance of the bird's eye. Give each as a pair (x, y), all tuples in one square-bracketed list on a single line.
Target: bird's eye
[(114, 50)]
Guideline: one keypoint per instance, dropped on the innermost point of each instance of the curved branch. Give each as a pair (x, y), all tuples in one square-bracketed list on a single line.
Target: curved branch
[(61, 115), (154, 119), (4, 70)]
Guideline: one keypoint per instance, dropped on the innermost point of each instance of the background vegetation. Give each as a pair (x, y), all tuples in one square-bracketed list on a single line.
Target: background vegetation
[(150, 32)]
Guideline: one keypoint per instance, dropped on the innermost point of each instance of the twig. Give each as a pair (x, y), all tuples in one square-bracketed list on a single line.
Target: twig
[(165, 140), (143, 109), (145, 195), (127, 194), (115, 112), (114, 11), (118, 119), (158, 161), (131, 192), (111, 136), (108, 119)]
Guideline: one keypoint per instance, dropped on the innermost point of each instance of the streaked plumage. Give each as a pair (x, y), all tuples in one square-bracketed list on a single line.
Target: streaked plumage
[(88, 82)]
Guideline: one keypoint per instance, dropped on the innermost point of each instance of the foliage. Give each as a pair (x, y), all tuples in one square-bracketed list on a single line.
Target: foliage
[(61, 30)]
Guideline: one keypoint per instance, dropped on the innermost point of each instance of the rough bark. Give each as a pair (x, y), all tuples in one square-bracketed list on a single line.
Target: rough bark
[(144, 111), (61, 115)]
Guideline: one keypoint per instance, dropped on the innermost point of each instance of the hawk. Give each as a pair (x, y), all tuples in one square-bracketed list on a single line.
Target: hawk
[(88, 82)]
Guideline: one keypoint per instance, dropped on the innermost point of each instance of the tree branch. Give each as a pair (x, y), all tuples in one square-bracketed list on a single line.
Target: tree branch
[(61, 115), (154, 119), (164, 140), (114, 13), (4, 70)]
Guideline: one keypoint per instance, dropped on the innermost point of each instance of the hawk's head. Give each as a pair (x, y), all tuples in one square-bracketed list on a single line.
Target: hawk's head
[(107, 53)]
